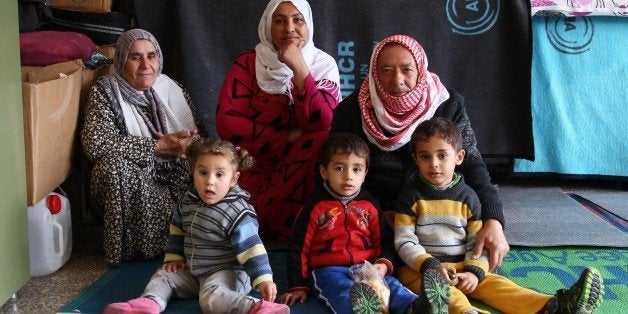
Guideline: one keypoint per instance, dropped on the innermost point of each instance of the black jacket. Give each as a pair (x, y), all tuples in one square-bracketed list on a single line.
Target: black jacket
[(389, 172)]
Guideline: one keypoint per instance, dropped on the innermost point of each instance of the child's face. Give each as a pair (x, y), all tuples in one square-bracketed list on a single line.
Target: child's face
[(213, 177), (436, 160), (345, 173)]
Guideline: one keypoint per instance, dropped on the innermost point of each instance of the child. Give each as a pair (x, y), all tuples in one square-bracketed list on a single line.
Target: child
[(342, 225), (213, 250), (437, 219)]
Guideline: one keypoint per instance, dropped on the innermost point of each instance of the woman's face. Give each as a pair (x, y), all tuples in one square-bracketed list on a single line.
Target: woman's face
[(142, 65), (288, 26), (397, 70)]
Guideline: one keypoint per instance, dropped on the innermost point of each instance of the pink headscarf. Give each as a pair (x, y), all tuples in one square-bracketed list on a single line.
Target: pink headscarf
[(384, 114)]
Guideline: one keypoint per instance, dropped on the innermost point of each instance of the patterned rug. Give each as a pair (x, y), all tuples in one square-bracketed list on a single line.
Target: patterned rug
[(542, 269)]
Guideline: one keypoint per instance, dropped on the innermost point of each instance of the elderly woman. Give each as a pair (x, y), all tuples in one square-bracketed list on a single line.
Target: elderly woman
[(398, 95), (138, 126), (277, 101)]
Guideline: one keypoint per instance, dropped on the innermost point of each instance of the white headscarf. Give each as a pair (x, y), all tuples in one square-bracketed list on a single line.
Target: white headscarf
[(275, 77)]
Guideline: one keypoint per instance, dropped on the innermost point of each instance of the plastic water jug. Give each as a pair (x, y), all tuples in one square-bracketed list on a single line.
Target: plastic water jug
[(50, 234)]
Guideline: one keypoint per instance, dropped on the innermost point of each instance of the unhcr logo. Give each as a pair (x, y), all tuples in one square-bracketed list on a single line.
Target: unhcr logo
[(472, 17), (570, 35)]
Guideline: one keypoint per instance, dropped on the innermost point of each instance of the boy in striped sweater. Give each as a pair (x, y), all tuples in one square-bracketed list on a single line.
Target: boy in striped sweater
[(214, 250), (437, 220)]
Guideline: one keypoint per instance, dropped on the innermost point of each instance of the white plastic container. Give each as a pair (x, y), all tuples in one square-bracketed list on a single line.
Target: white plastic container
[(50, 234)]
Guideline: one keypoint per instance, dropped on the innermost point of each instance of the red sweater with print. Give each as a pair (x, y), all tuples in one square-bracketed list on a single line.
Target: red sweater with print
[(330, 233)]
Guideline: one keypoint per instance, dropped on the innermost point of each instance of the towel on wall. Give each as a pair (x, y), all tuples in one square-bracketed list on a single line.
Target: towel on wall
[(579, 96)]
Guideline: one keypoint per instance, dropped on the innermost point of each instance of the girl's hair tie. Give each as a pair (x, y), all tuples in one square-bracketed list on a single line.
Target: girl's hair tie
[(237, 148)]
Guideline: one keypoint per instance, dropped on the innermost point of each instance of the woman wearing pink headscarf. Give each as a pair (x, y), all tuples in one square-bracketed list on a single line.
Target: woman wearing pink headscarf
[(277, 101), (398, 95)]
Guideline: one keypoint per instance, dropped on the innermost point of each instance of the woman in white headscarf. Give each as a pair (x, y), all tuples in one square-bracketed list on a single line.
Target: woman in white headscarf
[(138, 126), (277, 100)]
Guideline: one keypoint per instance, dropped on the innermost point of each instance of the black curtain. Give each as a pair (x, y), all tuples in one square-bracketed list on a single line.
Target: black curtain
[(482, 49)]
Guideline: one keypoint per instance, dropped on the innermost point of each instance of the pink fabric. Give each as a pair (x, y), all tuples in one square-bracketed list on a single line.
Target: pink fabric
[(260, 122), (135, 306), (264, 307), (50, 47)]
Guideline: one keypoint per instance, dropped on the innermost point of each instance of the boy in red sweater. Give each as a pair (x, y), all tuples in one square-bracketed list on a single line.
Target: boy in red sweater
[(341, 225)]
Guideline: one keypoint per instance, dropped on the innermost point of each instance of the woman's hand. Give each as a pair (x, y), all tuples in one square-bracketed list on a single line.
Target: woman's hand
[(173, 266), (491, 237), (175, 144), (268, 289), (291, 56), (289, 298), (467, 282)]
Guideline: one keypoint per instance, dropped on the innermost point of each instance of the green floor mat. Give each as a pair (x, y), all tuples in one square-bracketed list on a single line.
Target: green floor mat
[(549, 269)]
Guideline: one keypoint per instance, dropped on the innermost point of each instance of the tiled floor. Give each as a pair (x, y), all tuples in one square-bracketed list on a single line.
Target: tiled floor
[(46, 294)]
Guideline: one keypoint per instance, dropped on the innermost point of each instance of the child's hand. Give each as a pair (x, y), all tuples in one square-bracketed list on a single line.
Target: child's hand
[(290, 297), (449, 272), (467, 282), (268, 289), (382, 269), (173, 266)]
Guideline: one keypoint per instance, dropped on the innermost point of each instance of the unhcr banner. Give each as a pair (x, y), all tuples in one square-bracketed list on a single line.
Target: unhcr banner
[(478, 47)]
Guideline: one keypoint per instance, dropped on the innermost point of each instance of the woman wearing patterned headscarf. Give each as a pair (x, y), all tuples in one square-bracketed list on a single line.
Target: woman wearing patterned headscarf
[(399, 94), (277, 101), (138, 125)]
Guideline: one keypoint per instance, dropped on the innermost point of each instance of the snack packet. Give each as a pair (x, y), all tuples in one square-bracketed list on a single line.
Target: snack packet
[(367, 273)]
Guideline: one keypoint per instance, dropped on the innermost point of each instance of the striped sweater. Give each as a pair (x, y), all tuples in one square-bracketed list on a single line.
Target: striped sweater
[(438, 225), (219, 236)]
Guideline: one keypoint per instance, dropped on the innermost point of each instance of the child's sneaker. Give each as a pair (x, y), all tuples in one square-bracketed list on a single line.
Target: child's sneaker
[(364, 299), (583, 297), (135, 306), (435, 294), (265, 307)]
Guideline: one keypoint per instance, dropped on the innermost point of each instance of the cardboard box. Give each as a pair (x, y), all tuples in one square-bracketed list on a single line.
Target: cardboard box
[(88, 77), (108, 51), (93, 6), (51, 108)]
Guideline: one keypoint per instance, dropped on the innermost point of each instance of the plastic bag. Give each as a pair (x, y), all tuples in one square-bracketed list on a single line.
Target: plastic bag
[(367, 273)]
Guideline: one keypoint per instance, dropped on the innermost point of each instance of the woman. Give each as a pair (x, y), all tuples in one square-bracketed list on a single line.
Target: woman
[(277, 101), (138, 126), (399, 94)]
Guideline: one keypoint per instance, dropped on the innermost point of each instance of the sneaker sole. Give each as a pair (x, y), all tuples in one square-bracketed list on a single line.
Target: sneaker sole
[(436, 292), (591, 291), (364, 299)]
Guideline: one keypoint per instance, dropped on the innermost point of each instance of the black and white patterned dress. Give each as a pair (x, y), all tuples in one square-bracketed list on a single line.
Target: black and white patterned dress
[(132, 190)]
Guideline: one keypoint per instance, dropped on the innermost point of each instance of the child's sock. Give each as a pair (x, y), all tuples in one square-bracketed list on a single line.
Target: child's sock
[(136, 306), (583, 297), (265, 307), (364, 299)]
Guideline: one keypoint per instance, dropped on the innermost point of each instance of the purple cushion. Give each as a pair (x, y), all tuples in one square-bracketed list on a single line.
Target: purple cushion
[(50, 47)]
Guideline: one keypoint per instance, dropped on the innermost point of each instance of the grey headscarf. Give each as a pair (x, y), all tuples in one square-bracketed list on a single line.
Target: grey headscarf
[(117, 84), (123, 45)]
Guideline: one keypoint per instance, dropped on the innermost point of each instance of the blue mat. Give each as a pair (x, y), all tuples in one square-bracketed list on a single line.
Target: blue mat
[(128, 280), (579, 96)]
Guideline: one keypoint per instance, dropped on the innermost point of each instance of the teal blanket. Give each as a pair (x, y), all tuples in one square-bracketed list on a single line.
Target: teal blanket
[(579, 96)]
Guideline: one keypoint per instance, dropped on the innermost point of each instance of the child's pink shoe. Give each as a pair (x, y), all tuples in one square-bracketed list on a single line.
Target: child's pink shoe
[(135, 306), (265, 307)]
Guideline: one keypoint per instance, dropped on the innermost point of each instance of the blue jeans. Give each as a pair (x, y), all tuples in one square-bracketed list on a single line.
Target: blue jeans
[(334, 283)]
